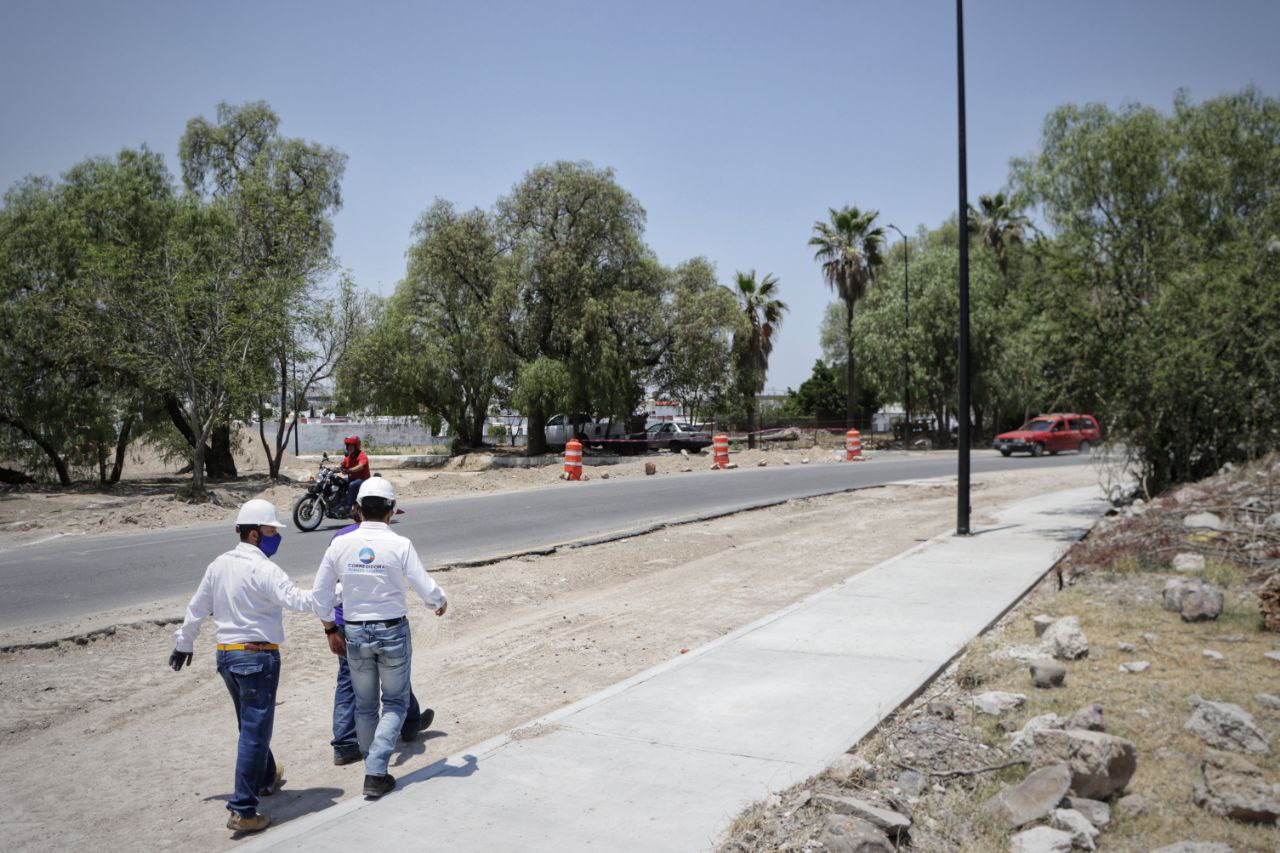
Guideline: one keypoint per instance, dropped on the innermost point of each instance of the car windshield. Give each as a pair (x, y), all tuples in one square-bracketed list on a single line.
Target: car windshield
[(1037, 426)]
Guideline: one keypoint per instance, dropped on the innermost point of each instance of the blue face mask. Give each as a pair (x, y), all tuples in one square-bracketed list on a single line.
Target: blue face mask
[(269, 544)]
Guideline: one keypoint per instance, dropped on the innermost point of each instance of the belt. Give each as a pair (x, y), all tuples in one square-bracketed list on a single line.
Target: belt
[(248, 647), (388, 622)]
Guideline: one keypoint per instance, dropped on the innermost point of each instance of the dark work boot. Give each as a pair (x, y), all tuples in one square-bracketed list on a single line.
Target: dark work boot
[(376, 786)]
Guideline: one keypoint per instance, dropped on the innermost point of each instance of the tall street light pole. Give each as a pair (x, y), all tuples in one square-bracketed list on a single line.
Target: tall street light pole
[(906, 332), (962, 219)]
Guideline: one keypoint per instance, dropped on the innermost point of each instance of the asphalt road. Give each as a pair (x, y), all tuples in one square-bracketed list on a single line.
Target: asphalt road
[(74, 577)]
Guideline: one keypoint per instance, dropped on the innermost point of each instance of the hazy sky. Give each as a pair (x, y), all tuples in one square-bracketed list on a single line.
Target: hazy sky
[(735, 124)]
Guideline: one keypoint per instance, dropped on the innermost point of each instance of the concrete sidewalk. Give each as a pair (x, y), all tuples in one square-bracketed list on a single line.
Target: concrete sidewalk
[(665, 760)]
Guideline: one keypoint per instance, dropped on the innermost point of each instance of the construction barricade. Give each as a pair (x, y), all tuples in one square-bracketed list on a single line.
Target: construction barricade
[(573, 459), (853, 446), (720, 451)]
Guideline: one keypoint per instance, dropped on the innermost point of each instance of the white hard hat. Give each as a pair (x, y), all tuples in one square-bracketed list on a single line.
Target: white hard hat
[(377, 487), (259, 511)]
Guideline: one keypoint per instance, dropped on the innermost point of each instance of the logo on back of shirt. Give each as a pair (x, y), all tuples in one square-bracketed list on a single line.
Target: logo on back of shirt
[(366, 555)]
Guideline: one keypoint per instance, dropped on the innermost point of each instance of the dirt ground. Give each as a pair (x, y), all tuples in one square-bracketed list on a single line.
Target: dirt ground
[(145, 497), (105, 745)]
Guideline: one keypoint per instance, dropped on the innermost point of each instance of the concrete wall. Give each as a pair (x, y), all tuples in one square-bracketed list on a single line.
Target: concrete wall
[(317, 436)]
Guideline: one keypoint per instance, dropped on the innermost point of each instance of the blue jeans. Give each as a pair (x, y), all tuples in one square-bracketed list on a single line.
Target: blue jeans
[(344, 741), (353, 491), (379, 658), (251, 679)]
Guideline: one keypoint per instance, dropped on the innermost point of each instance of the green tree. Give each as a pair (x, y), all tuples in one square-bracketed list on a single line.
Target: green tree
[(436, 349), (849, 248), (752, 344), (998, 226), (281, 194), (585, 290), (818, 396), (696, 367), (1162, 274)]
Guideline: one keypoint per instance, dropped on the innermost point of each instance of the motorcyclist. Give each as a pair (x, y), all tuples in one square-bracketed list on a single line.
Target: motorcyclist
[(355, 464)]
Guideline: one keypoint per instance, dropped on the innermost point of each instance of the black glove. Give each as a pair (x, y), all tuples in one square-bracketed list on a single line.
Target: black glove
[(177, 659)]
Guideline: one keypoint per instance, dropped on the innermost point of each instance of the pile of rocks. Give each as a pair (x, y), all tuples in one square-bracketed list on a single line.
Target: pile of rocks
[(1076, 768), (1227, 784)]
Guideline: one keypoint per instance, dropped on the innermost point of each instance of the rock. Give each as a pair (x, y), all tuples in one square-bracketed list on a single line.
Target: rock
[(1064, 639), (852, 767), (1007, 726), (684, 453), (1047, 673), (886, 820), (762, 463), (1132, 805), (844, 834), (945, 710), (1269, 603), (1203, 521), (1175, 589), (1134, 666), (1229, 786), (1188, 563), (1096, 812), (1025, 735), (1100, 764), (1195, 847), (1272, 522), (1202, 606), (604, 476), (1267, 700), (1271, 655), (1227, 726), (1088, 718), (731, 466), (1042, 839), (650, 468), (786, 461), (911, 783), (1194, 699), (804, 461), (1034, 797), (1188, 494), (1126, 647), (997, 702), (1212, 655), (1084, 835), (1041, 623), (686, 470)]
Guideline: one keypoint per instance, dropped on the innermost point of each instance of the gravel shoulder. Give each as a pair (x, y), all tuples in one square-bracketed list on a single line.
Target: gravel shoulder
[(522, 638)]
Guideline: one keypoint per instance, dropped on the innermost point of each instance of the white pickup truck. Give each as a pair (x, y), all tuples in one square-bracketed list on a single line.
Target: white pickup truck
[(560, 428)]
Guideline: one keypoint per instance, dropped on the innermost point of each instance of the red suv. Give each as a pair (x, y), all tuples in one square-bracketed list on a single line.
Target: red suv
[(1054, 433)]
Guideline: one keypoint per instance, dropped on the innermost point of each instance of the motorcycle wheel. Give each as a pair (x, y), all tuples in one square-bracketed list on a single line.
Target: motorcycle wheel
[(308, 513)]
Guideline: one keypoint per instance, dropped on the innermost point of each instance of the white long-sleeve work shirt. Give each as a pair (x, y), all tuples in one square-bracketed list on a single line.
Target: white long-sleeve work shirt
[(373, 564), (246, 594)]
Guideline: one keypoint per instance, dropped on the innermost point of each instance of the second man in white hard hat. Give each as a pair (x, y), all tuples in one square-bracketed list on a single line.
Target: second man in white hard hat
[(373, 564)]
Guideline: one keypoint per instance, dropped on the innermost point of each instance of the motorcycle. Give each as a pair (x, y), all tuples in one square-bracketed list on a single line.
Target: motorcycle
[(326, 497)]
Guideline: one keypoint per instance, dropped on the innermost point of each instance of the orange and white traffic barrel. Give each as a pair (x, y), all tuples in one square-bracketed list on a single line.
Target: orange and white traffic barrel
[(573, 459), (720, 450), (852, 446)]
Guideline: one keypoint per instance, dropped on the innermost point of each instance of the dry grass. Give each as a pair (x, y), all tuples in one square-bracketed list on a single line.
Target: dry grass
[(1149, 708)]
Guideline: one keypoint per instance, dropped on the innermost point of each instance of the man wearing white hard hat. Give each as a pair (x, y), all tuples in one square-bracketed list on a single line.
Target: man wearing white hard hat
[(373, 565), (245, 593)]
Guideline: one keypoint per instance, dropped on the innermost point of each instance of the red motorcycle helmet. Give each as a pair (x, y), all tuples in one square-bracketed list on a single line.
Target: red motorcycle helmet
[(351, 440)]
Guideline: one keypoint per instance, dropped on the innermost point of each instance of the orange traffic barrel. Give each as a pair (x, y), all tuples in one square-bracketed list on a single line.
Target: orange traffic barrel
[(720, 450), (852, 446), (573, 459)]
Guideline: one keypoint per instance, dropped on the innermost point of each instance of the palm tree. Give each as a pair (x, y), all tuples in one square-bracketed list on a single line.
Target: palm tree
[(752, 346), (849, 249), (999, 225)]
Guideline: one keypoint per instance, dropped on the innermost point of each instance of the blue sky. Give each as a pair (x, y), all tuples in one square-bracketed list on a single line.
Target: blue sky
[(735, 124)]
